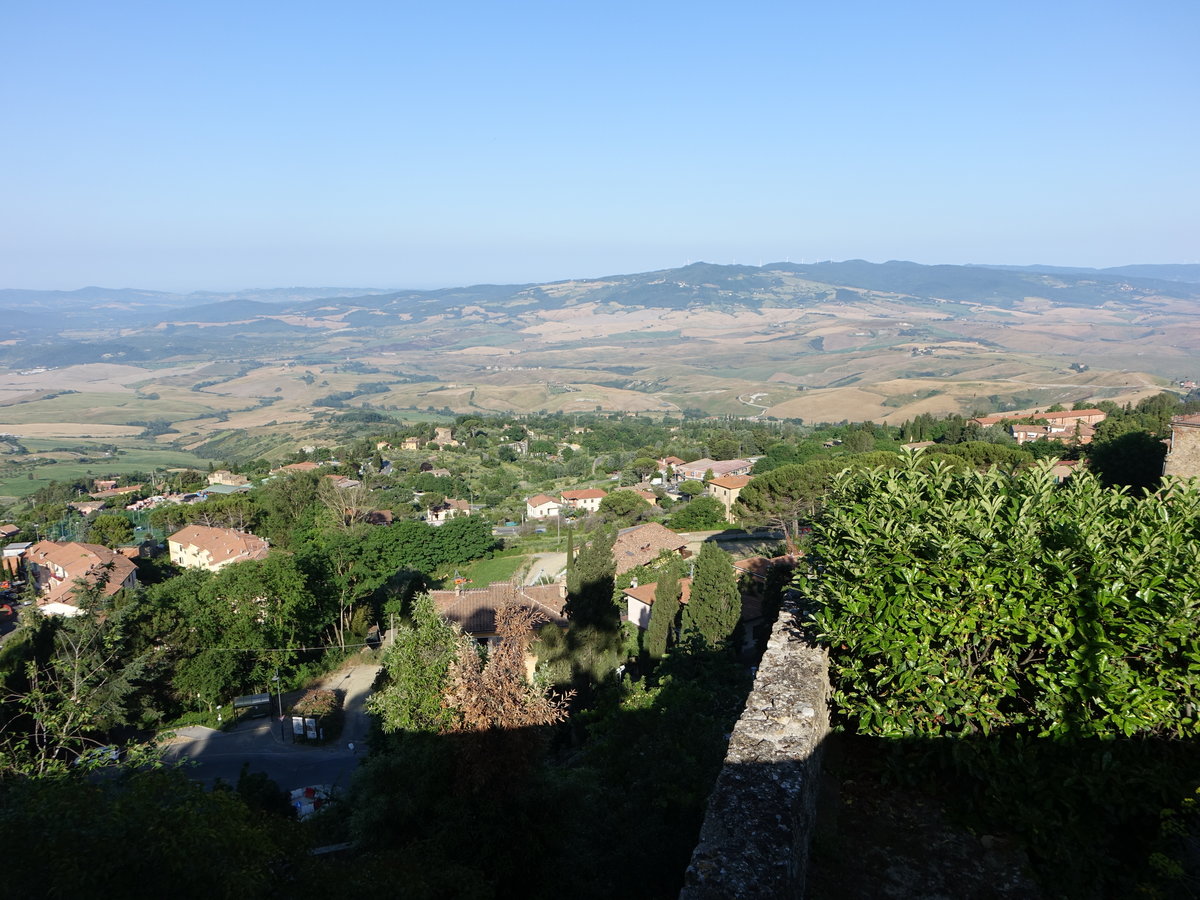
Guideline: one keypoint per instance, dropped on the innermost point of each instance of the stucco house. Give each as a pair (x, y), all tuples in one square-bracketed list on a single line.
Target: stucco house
[(204, 547), (697, 469), (1066, 418), (224, 476), (587, 500), (447, 510), (56, 567), (726, 488), (542, 506), (639, 600)]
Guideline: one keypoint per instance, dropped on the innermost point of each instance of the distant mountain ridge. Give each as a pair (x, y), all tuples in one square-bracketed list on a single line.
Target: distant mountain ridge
[(92, 313), (1167, 272)]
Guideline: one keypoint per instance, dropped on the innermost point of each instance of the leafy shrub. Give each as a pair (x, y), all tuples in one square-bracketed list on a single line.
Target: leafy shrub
[(1052, 632)]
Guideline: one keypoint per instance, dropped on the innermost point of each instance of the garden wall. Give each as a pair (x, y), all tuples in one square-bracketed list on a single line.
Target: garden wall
[(762, 811)]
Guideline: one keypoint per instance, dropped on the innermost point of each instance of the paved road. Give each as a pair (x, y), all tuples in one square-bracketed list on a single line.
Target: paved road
[(267, 743)]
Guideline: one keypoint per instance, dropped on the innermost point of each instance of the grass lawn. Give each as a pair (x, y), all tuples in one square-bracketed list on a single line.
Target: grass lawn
[(483, 572)]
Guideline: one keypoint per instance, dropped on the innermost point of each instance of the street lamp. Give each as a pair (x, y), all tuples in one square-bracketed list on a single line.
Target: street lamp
[(278, 695)]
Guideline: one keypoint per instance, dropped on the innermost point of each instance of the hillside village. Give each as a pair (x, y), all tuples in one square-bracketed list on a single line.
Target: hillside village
[(535, 585)]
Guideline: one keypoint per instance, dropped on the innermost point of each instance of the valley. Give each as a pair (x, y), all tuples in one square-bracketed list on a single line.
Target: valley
[(243, 377)]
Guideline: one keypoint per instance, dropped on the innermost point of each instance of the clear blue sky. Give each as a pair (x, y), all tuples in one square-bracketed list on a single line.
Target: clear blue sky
[(214, 145)]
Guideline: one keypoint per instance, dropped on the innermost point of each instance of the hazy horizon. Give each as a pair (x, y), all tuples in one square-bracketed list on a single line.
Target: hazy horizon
[(577, 277)]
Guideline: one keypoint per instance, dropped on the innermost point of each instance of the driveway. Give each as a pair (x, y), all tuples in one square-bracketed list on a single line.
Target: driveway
[(550, 565), (266, 744)]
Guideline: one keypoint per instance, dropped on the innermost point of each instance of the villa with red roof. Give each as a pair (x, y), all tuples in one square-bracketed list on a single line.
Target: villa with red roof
[(203, 547), (586, 500), (56, 568), (542, 506)]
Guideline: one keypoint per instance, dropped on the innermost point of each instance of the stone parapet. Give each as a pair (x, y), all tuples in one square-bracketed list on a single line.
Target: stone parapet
[(762, 810)]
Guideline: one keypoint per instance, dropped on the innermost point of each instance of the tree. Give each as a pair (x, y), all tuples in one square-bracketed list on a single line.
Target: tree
[(493, 693), (859, 441), (1050, 633), (714, 609), (724, 448), (644, 467), (690, 488), (1133, 459), (110, 530), (590, 589), (415, 667), (354, 565), (702, 514), (623, 506), (663, 612), (77, 683), (783, 497), (345, 505), (195, 829)]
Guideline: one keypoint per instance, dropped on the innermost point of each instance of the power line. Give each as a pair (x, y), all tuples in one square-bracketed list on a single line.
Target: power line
[(280, 649)]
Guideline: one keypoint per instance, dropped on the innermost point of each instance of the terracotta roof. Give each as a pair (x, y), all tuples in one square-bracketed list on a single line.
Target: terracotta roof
[(1193, 419), (89, 561), (731, 482), (540, 500), (648, 496), (717, 466), (117, 492), (475, 610), (586, 494), (645, 592), (640, 544), (299, 467), (759, 566), (1064, 416), (223, 544), (7, 531)]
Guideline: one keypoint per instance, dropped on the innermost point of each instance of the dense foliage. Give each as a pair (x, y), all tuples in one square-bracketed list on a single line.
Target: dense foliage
[(1053, 632)]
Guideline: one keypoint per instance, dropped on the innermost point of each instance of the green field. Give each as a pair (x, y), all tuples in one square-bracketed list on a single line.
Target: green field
[(104, 408), (23, 481)]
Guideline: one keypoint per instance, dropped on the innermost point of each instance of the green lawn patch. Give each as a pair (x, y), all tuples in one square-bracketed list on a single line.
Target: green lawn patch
[(483, 572)]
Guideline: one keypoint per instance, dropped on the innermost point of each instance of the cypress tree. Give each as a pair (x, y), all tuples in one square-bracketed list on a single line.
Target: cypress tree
[(715, 606), (570, 552), (662, 615), (590, 584)]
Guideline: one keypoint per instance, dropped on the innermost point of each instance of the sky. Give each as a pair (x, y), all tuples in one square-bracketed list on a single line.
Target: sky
[(219, 146)]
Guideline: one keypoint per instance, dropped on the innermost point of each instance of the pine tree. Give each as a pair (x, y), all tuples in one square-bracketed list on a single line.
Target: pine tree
[(662, 615), (715, 606)]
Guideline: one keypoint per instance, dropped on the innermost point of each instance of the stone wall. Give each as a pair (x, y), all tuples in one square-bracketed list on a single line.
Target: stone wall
[(762, 811), (1183, 454)]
